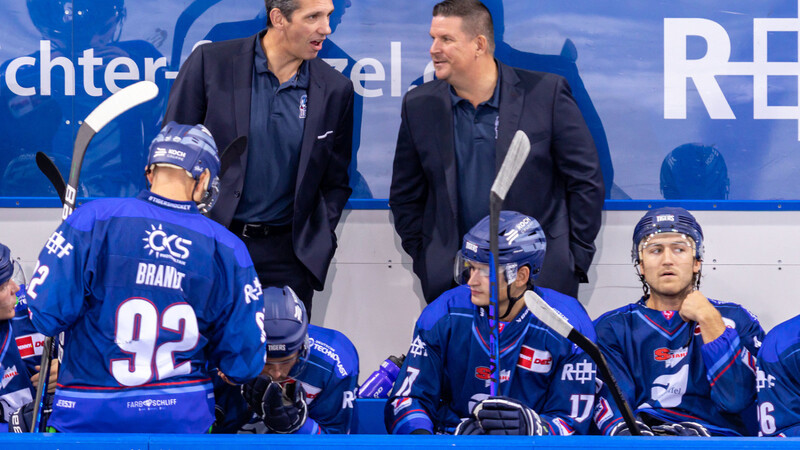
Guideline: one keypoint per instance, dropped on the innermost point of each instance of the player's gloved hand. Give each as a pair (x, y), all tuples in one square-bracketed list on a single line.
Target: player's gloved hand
[(469, 426), (253, 393), (621, 429), (285, 409), (681, 429), (506, 416), (21, 420)]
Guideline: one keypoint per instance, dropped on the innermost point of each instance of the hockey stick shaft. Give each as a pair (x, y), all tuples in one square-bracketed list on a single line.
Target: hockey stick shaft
[(50, 170), (557, 323), (494, 307), (105, 112), (512, 163)]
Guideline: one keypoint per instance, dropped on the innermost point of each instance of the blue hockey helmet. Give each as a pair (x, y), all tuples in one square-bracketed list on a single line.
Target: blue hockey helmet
[(286, 326), (521, 242), (192, 148), (667, 220), (694, 171), (6, 264)]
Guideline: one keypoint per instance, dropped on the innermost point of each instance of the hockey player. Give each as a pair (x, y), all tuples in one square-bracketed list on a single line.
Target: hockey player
[(685, 363), (307, 385), (777, 381), (546, 384), (15, 385), (151, 293)]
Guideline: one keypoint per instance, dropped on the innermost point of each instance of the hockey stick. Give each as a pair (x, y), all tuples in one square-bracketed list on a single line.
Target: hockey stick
[(50, 170), (515, 158), (105, 112), (557, 323)]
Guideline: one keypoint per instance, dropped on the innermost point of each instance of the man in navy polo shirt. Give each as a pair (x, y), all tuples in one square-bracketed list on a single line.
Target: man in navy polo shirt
[(284, 194)]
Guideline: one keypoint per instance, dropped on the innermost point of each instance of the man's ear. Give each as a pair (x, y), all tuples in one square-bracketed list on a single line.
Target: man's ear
[(481, 45), (201, 186), (523, 275), (276, 18)]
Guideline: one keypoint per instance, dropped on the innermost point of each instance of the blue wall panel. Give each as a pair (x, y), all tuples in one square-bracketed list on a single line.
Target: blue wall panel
[(685, 100)]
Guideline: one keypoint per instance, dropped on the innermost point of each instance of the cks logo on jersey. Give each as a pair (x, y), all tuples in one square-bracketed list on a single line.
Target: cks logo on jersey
[(539, 361), (171, 247), (671, 357)]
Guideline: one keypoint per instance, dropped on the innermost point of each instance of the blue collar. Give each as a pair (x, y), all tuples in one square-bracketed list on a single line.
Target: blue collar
[(260, 63), (493, 102), (164, 202)]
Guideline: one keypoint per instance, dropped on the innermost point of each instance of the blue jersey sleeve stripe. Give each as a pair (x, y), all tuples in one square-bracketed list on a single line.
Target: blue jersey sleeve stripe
[(724, 341), (611, 424), (412, 420), (676, 413), (733, 360)]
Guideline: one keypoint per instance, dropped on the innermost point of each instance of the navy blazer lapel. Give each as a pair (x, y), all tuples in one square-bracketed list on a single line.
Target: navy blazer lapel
[(317, 93), (242, 67), (441, 123), (512, 98)]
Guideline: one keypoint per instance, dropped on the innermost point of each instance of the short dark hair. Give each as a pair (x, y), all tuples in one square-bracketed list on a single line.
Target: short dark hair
[(286, 7), (475, 15)]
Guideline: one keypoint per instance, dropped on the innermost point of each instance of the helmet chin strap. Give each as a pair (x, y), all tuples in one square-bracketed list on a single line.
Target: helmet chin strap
[(511, 300)]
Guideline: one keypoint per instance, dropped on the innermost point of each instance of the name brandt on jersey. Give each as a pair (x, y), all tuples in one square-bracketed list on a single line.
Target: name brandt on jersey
[(159, 275)]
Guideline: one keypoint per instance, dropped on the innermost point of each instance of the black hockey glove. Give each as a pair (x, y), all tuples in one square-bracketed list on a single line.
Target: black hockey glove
[(506, 416), (469, 427), (253, 393), (621, 429), (21, 420), (681, 429), (285, 408)]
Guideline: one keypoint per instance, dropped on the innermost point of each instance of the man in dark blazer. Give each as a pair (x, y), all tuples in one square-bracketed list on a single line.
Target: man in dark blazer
[(448, 154), (297, 113)]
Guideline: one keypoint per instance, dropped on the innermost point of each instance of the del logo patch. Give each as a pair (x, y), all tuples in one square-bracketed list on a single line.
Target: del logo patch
[(535, 360)]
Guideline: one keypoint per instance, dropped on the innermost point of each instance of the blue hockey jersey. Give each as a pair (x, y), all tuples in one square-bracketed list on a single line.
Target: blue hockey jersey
[(329, 380), (15, 380), (447, 370), (778, 381), (29, 341), (665, 370), (153, 294)]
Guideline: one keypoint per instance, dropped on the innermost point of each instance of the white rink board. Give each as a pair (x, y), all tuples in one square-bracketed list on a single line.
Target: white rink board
[(752, 258)]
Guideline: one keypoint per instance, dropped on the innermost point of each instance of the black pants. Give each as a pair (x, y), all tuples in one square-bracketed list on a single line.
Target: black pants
[(276, 264)]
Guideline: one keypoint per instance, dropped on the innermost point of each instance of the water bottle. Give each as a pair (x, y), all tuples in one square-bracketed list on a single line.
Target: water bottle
[(380, 383)]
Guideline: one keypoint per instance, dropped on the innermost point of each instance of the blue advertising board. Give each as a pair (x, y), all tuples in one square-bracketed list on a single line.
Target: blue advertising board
[(685, 100)]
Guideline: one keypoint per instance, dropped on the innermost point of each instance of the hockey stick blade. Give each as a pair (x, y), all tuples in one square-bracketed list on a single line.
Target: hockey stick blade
[(50, 170), (105, 112), (559, 324), (517, 154)]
